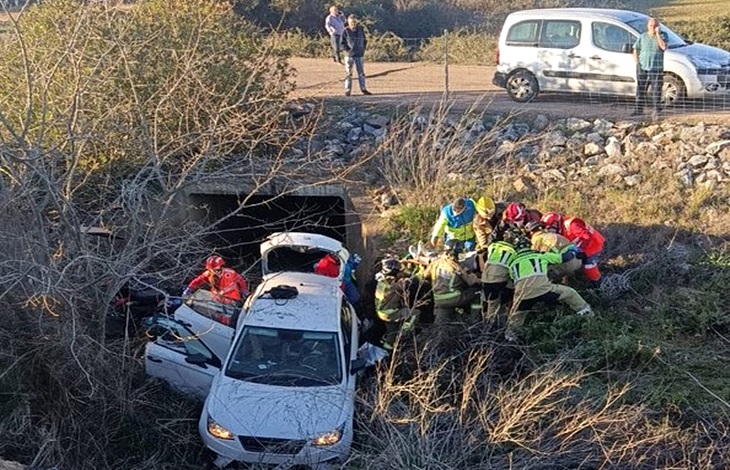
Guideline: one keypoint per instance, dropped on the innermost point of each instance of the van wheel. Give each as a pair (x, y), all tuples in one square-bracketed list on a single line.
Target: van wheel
[(672, 90), (522, 86)]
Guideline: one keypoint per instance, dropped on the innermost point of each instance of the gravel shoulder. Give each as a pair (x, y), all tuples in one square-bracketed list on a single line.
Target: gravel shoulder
[(399, 83)]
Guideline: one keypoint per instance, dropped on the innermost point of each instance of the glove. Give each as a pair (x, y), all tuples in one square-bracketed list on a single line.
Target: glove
[(187, 292), (568, 255)]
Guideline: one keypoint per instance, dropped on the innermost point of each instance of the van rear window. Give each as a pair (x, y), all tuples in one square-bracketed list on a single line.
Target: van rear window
[(524, 33)]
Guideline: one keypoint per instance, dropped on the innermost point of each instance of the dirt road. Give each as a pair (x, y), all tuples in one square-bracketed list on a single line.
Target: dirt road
[(395, 83)]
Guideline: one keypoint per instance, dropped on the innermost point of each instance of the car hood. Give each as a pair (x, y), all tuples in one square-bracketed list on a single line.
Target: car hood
[(252, 409), (703, 56)]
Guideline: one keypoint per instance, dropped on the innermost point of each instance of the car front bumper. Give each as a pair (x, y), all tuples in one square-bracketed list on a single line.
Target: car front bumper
[(314, 457)]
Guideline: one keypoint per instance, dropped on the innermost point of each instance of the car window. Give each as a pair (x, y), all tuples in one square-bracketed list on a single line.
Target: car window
[(674, 40), (294, 358), (560, 34), (178, 338), (610, 37), (524, 33)]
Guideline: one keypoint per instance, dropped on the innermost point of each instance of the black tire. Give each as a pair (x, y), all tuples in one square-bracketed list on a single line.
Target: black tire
[(522, 86), (673, 91)]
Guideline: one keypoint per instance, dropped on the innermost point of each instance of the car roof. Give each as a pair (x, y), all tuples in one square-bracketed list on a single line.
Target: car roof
[(577, 13), (316, 307)]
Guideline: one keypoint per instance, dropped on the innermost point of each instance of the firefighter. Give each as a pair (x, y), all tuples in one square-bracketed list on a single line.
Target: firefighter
[(225, 284), (544, 241), (528, 270), (588, 240), (515, 215), (456, 222), (392, 301), (496, 283), (452, 286), (483, 223)]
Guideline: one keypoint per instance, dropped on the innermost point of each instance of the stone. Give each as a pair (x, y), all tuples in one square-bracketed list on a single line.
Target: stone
[(652, 130), (344, 126), (611, 169), (594, 160), (715, 147), (693, 133), (576, 125), (613, 148), (296, 153), (377, 121), (541, 122), (354, 134), (554, 174), (554, 139), (714, 175), (648, 151), (632, 140), (336, 149), (522, 185), (595, 137), (592, 148), (724, 154), (712, 164), (602, 127), (726, 167), (368, 129), (698, 160), (686, 176), (633, 180), (576, 143), (663, 138)]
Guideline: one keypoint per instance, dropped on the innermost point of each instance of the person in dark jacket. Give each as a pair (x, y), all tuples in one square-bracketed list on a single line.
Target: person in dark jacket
[(354, 43)]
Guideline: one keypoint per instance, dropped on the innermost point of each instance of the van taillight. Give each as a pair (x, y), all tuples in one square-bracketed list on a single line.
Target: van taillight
[(496, 56)]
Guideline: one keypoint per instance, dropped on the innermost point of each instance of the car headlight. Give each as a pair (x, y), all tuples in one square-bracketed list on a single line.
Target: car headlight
[(216, 430), (329, 438)]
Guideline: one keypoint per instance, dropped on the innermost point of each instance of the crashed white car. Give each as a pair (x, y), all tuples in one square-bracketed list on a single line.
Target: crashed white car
[(283, 392)]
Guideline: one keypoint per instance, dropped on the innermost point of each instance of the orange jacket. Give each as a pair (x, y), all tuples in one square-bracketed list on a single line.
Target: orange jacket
[(230, 285), (586, 238)]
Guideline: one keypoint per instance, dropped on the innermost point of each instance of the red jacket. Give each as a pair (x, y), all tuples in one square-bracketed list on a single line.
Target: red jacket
[(586, 238), (230, 284), (327, 266)]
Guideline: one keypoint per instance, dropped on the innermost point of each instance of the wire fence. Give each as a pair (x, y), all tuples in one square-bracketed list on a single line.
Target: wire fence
[(599, 81)]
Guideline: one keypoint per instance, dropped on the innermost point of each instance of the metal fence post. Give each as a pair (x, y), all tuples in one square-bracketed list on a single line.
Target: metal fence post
[(446, 63)]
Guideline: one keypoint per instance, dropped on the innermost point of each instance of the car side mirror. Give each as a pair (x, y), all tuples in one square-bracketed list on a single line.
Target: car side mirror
[(357, 365), (627, 48), (197, 359)]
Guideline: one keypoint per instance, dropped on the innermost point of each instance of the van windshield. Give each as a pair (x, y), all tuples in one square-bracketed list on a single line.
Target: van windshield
[(292, 358), (674, 39)]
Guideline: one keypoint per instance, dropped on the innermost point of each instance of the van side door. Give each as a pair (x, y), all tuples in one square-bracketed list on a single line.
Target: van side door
[(610, 66), (560, 61)]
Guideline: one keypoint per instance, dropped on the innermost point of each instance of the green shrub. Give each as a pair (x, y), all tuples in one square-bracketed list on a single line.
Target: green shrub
[(414, 221), (386, 47), (464, 47), (298, 44)]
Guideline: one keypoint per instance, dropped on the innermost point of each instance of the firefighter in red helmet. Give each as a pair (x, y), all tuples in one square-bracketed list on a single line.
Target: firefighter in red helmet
[(588, 240), (225, 284)]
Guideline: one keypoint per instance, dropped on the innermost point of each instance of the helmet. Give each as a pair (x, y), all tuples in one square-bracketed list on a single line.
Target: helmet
[(485, 206), (390, 266), (533, 226), (552, 220), (214, 262), (515, 212)]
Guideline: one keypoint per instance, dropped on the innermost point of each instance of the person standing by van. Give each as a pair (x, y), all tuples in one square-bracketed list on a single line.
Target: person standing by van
[(649, 57), (335, 26)]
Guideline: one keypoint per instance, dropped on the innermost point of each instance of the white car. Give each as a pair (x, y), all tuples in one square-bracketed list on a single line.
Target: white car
[(283, 392), (589, 50)]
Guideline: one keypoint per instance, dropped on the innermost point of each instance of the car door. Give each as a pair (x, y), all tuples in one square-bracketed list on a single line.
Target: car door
[(558, 55), (214, 335), (609, 65), (178, 357)]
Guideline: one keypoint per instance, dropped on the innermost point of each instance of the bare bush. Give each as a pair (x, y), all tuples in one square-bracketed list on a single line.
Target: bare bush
[(477, 408)]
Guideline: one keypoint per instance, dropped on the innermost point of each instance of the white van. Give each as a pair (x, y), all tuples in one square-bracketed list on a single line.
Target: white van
[(589, 50)]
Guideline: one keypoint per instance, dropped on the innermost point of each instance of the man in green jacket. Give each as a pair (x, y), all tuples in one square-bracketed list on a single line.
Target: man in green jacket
[(528, 270)]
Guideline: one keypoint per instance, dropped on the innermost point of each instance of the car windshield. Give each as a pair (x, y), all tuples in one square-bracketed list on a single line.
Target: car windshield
[(291, 358), (674, 40)]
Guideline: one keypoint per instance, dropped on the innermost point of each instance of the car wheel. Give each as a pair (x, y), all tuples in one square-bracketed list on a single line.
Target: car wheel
[(672, 90), (522, 86)]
